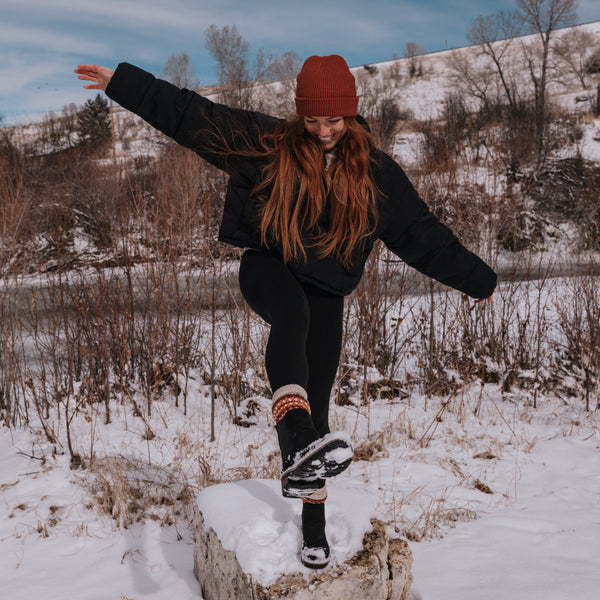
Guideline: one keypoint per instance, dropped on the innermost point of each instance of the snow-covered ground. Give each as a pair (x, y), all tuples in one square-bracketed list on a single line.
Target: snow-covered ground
[(545, 543), (55, 545), (499, 500), (505, 499)]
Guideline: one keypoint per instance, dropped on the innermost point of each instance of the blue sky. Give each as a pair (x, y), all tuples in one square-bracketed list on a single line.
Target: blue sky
[(41, 41)]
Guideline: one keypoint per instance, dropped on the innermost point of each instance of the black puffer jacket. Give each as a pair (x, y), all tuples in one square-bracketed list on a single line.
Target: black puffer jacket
[(405, 224)]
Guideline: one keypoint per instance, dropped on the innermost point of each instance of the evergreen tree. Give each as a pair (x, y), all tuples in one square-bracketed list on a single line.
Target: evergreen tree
[(93, 123)]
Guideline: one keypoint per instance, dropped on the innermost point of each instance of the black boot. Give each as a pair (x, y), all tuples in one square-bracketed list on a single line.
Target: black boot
[(306, 457), (315, 549), (294, 433)]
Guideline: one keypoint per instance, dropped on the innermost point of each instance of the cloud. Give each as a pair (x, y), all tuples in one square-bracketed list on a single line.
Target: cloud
[(130, 14), (17, 74), (13, 38), (36, 87), (42, 41)]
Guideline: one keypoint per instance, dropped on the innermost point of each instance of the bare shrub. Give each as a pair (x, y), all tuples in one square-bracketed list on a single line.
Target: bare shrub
[(557, 189), (379, 106), (579, 322), (592, 65), (509, 134), (414, 53), (373, 448), (16, 224), (376, 334), (455, 136), (521, 230), (563, 192)]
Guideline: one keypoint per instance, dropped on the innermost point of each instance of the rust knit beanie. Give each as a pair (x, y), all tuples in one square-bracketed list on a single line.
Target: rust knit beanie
[(325, 87)]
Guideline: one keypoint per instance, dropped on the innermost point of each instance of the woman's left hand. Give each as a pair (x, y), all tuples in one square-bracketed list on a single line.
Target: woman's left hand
[(487, 300)]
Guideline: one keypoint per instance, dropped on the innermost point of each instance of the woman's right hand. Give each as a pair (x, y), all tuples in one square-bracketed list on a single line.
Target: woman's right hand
[(101, 75)]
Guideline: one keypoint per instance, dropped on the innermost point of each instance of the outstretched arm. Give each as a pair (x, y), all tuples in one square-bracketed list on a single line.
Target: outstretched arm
[(219, 134), (412, 232), (100, 75)]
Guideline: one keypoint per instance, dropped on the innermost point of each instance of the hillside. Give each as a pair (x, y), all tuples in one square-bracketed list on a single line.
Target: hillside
[(434, 113), (132, 373)]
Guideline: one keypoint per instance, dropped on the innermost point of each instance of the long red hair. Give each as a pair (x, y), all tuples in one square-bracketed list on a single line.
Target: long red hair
[(295, 189)]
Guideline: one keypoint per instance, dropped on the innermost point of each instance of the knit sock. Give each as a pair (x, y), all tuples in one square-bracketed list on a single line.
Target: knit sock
[(288, 398)]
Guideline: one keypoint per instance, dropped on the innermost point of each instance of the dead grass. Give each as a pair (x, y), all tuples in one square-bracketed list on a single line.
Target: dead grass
[(130, 490)]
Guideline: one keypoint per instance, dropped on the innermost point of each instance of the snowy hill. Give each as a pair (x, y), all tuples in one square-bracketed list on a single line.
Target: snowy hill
[(479, 440)]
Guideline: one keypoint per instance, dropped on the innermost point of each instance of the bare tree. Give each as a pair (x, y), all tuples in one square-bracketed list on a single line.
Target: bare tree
[(573, 49), (261, 65), (69, 121), (281, 69), (179, 71), (284, 69), (476, 82), (413, 51), (542, 17), (379, 104), (494, 35), (230, 50)]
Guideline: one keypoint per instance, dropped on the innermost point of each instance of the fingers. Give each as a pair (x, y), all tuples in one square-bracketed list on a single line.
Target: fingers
[(98, 85), (88, 73), (99, 75), (87, 70), (487, 300)]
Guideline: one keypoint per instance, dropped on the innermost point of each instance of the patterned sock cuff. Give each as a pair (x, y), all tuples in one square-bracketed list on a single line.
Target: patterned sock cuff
[(286, 403)]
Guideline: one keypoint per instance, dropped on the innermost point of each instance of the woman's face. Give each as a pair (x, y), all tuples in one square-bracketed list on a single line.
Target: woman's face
[(327, 130)]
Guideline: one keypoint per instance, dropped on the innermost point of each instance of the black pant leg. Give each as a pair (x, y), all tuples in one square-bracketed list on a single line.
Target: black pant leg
[(274, 294), (305, 339), (323, 348)]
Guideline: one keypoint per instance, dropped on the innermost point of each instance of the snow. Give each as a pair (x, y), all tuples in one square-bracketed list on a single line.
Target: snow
[(53, 546), (590, 144), (265, 534), (537, 534), (498, 500), (546, 545)]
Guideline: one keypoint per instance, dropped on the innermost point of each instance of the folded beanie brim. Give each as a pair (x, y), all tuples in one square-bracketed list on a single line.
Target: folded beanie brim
[(327, 107)]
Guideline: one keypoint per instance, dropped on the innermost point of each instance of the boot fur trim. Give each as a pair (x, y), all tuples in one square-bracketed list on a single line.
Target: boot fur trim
[(317, 497), (292, 389)]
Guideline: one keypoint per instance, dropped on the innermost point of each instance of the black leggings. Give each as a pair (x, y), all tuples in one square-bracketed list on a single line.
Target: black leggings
[(306, 329)]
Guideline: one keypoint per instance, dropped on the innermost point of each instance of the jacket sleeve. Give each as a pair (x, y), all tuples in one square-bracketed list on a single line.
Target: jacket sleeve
[(206, 127), (411, 231)]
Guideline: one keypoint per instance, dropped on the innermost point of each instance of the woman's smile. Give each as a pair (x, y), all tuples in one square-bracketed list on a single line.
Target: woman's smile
[(328, 130)]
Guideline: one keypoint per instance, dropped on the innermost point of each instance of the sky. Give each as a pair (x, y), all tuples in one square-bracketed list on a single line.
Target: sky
[(42, 41)]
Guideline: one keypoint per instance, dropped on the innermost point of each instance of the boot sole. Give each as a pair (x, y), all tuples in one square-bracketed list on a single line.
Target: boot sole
[(326, 457), (313, 564)]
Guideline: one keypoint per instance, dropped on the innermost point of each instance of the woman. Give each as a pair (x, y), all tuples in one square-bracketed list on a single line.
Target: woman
[(307, 198)]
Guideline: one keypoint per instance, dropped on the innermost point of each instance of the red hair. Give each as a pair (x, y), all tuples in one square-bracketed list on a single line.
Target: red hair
[(296, 188)]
